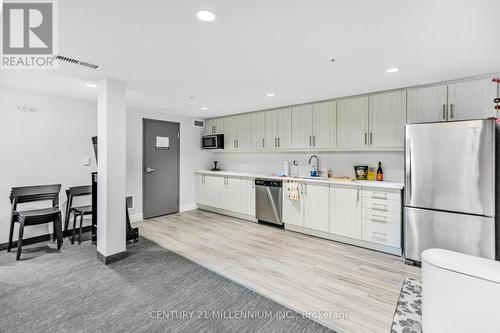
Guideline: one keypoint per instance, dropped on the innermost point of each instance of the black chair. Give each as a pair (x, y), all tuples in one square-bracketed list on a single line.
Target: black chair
[(26, 194), (79, 211)]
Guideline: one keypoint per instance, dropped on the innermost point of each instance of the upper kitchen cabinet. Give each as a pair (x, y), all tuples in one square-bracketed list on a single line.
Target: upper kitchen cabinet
[(387, 118), (324, 125), (214, 126), (427, 105), (352, 126), (471, 100), (302, 126), (237, 132), (258, 135), (279, 129)]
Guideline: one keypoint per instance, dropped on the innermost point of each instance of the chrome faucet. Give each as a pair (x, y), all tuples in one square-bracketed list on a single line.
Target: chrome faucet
[(317, 167)]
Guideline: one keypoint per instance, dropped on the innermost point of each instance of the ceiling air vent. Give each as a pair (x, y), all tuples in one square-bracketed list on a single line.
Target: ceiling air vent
[(198, 123), (76, 62)]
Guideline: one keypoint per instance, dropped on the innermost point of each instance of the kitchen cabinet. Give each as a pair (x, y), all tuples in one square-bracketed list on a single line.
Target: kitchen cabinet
[(324, 124), (214, 126), (314, 125), (279, 129), (203, 194), (237, 132), (216, 186), (312, 210), (231, 194), (352, 122), (387, 118), (302, 126), (345, 211), (247, 196), (471, 100), (455, 101), (427, 105), (258, 136), (316, 206)]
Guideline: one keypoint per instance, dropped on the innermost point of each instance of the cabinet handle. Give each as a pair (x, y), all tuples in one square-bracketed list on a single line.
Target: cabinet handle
[(237, 143), (310, 142), (275, 142), (262, 142), (444, 111), (380, 221), (379, 233), (451, 111), (371, 138), (366, 138), (279, 144), (357, 196), (381, 198), (314, 140)]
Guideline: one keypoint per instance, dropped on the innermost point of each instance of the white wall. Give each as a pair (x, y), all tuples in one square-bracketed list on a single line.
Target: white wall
[(341, 163), (45, 146), (192, 157)]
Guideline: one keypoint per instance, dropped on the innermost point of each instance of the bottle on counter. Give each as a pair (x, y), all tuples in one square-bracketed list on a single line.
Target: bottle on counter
[(380, 172)]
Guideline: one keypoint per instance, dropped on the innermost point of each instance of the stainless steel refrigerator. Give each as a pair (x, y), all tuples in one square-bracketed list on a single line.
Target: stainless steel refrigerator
[(450, 181)]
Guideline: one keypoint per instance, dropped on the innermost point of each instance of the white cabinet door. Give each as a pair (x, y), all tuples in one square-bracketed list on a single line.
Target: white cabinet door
[(324, 125), (203, 194), (302, 126), (230, 133), (471, 100), (284, 128), (316, 205), (271, 129), (345, 211), (427, 105), (387, 118), (232, 188), (258, 127), (352, 126), (293, 212), (214, 126), (243, 132), (247, 196), (219, 125), (216, 188)]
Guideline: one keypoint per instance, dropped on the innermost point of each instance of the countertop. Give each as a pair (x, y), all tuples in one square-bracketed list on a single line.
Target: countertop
[(366, 183)]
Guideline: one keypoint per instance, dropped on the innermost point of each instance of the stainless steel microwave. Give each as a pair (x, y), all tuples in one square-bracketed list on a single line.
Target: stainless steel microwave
[(215, 141)]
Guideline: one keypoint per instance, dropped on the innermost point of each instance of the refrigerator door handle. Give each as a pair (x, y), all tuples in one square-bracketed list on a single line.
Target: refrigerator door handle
[(408, 171)]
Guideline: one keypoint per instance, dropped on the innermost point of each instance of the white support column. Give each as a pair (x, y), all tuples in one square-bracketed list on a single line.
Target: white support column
[(111, 133)]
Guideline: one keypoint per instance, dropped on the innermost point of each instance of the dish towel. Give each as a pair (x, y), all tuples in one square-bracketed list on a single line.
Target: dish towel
[(292, 190)]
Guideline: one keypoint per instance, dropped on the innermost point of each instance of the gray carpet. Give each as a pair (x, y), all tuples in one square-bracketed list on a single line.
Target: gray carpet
[(71, 291)]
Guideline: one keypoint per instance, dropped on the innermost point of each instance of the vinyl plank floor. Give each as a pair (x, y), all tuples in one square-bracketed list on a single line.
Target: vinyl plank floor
[(323, 278)]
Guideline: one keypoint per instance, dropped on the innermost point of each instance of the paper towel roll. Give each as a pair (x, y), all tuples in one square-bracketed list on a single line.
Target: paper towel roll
[(286, 168)]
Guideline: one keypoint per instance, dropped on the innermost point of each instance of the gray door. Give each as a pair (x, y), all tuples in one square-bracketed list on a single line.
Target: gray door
[(160, 168), (450, 166), (425, 229)]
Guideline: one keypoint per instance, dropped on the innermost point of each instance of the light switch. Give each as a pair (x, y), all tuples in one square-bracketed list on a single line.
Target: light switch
[(86, 161)]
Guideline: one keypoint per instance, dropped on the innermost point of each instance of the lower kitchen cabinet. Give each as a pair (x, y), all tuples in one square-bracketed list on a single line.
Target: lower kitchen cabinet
[(345, 210), (316, 201), (226, 194)]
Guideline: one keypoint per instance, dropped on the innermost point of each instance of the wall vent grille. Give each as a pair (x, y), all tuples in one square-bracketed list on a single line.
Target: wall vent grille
[(76, 61)]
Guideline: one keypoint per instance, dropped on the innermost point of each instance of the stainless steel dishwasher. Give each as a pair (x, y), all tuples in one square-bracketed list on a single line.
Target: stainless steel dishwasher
[(268, 201)]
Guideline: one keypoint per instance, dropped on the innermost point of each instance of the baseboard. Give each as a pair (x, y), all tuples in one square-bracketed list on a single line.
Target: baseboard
[(112, 258), (228, 213), (188, 207), (42, 238), (136, 217)]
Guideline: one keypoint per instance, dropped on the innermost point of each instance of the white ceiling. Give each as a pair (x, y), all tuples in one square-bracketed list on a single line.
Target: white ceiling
[(165, 54)]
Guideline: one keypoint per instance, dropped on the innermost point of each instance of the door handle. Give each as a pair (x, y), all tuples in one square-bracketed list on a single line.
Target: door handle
[(408, 171), (149, 169)]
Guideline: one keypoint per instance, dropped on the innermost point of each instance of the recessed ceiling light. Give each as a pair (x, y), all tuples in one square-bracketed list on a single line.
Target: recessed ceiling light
[(90, 85), (270, 95), (392, 70), (204, 108), (205, 15)]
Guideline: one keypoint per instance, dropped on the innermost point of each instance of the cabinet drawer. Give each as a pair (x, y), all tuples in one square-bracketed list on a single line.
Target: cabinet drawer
[(381, 216), (382, 205), (382, 194), (383, 233)]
